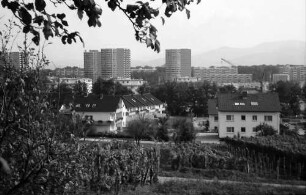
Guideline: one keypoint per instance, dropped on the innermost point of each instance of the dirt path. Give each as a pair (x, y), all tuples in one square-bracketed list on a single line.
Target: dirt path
[(166, 179)]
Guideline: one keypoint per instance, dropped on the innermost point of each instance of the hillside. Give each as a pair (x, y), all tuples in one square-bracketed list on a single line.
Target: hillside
[(272, 53)]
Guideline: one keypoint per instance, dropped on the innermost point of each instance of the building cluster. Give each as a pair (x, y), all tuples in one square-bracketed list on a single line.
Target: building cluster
[(178, 63), (234, 115), (15, 59), (113, 113), (69, 72), (222, 74), (293, 73), (107, 64)]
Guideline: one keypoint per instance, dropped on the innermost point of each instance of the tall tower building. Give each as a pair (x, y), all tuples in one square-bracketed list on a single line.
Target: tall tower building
[(178, 63), (92, 64), (107, 64), (115, 63), (15, 59)]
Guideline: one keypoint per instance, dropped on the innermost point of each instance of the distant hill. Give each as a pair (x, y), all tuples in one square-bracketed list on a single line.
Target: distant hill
[(271, 53)]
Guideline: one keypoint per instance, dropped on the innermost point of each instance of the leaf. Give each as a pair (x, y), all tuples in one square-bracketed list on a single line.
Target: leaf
[(29, 6), (64, 22), (13, 6), (80, 14), (47, 30), (61, 16), (40, 5), (157, 46), (112, 4), (26, 29), (64, 39), (25, 16), (38, 20), (188, 13), (131, 8), (199, 1), (98, 23), (148, 42), (4, 165), (163, 20)]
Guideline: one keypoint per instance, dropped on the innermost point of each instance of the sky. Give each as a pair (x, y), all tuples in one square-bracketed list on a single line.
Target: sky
[(213, 24)]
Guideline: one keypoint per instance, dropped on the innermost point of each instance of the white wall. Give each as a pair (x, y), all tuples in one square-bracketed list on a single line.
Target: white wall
[(249, 124), (212, 122)]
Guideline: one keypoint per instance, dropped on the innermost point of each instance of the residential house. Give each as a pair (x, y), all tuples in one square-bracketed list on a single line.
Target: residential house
[(112, 113), (239, 114), (106, 113)]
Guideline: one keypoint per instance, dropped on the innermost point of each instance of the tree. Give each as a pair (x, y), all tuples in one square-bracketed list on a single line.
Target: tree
[(162, 130), (265, 130), (145, 88), (109, 87), (184, 131), (141, 128), (35, 15), (80, 89)]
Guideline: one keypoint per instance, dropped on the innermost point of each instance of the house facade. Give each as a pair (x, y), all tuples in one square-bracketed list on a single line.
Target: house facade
[(239, 114), (112, 113)]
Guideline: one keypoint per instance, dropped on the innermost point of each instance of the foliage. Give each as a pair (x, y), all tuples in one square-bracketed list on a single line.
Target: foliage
[(201, 156), (162, 129), (80, 89), (35, 15), (217, 188), (140, 128), (184, 131), (145, 88), (61, 94), (265, 130), (259, 73), (289, 93), (109, 87), (228, 89), (183, 98), (153, 78)]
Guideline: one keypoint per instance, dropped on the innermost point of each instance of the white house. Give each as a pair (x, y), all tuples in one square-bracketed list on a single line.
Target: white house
[(112, 113), (106, 113), (239, 114)]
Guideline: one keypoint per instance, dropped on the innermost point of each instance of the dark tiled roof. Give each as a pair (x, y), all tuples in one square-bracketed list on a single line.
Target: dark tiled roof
[(131, 101), (148, 99), (94, 103), (152, 99), (212, 107), (143, 100), (260, 102)]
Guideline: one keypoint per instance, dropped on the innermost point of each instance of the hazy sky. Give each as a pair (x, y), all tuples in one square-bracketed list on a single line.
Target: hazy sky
[(213, 24)]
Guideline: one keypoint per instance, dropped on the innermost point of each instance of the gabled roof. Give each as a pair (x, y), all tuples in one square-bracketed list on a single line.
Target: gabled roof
[(260, 102), (148, 99), (143, 100), (94, 103), (130, 101), (152, 99), (212, 107)]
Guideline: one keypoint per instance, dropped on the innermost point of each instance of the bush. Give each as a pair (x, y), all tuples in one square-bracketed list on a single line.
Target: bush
[(265, 130), (184, 131)]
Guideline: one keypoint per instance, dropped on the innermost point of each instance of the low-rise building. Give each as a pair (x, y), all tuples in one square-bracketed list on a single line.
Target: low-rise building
[(186, 79), (280, 77), (239, 114), (112, 113), (132, 84), (72, 81)]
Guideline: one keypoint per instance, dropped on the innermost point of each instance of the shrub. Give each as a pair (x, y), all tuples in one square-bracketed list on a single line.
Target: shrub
[(184, 131)]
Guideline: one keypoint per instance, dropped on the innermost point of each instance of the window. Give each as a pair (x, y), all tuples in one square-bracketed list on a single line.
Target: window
[(230, 117), (268, 118), (216, 118), (243, 117), (230, 129), (242, 129), (254, 117), (254, 129)]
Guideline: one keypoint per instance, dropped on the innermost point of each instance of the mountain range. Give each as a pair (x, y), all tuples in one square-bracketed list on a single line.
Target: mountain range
[(270, 53)]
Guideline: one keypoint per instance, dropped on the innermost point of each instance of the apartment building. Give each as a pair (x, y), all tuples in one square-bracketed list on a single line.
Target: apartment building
[(238, 114), (280, 77), (107, 63), (15, 59), (69, 72), (297, 73), (178, 63)]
